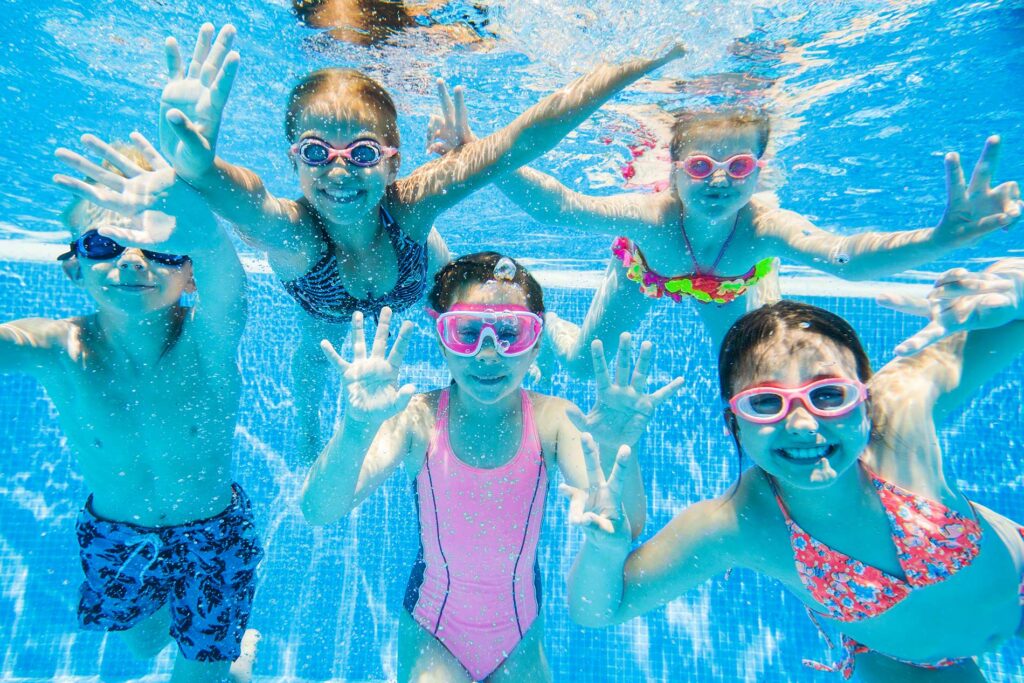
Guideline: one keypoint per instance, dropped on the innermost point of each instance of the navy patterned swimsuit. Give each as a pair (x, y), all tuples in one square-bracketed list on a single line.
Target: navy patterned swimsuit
[(322, 294)]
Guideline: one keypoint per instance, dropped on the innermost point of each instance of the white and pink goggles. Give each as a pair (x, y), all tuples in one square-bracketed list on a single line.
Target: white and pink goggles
[(830, 397), (512, 329)]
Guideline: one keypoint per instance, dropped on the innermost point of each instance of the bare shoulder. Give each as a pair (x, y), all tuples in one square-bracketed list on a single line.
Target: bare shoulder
[(549, 414), (756, 525)]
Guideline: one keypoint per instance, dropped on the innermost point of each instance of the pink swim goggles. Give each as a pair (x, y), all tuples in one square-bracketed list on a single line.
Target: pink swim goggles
[(512, 329), (700, 166), (830, 397), (362, 153)]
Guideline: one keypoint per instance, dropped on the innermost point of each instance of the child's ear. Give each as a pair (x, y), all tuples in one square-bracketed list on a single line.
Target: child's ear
[(190, 286), (731, 423), (72, 269), (393, 165)]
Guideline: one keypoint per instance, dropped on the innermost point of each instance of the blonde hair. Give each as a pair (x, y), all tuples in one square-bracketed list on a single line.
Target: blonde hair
[(336, 88), (687, 121)]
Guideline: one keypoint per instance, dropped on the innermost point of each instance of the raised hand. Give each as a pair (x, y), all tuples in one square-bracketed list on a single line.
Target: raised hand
[(598, 510), (962, 301), (449, 129), (193, 100), (623, 410), (158, 209), (976, 209), (369, 382)]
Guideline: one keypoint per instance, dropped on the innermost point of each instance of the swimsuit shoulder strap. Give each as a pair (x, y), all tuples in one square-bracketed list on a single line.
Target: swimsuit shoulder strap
[(778, 496), (531, 437)]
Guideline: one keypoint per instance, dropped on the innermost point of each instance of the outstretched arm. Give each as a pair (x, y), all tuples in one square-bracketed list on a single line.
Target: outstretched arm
[(441, 183), (191, 110), (164, 214), (973, 210), (540, 195), (975, 330), (374, 434), (607, 583)]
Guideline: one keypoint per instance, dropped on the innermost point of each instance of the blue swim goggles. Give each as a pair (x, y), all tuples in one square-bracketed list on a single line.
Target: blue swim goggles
[(95, 247)]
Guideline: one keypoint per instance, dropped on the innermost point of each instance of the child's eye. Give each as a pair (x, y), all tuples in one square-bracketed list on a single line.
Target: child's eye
[(468, 332)]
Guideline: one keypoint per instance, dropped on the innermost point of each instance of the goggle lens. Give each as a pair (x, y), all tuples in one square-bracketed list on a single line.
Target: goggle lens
[(314, 152), (364, 153), (700, 166), (741, 166)]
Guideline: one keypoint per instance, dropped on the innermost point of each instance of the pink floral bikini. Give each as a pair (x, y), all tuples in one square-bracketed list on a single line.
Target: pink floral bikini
[(932, 543)]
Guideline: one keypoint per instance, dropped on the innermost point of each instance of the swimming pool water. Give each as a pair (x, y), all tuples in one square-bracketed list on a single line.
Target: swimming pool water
[(871, 94)]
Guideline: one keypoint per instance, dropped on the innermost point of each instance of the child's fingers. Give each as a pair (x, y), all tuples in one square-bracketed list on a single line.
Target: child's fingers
[(577, 502), (380, 335), (119, 161), (667, 391), (955, 185), (173, 54), (401, 345), (592, 459), (333, 356), (185, 130), (642, 367), (952, 275), (931, 333), (602, 376), (405, 394), (994, 222), (215, 60), (594, 520), (149, 152), (358, 337), (904, 303), (623, 461), (968, 286), (126, 237), (221, 89), (91, 170), (577, 418), (79, 188), (981, 176), (447, 107), (461, 113), (623, 356), (202, 49)]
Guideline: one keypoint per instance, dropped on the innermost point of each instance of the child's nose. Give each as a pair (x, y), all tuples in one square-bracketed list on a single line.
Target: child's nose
[(800, 420), (719, 178), (131, 259)]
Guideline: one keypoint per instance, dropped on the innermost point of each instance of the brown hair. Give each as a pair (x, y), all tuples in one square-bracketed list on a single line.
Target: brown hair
[(477, 268), (686, 121), (332, 88)]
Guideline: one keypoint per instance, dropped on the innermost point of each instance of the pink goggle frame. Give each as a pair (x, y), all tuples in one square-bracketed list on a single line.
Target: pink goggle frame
[(829, 397), (512, 329), (701, 166)]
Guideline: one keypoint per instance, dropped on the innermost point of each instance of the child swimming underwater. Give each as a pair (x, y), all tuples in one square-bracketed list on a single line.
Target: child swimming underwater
[(722, 237), (479, 453), (832, 443), (148, 394), (359, 238)]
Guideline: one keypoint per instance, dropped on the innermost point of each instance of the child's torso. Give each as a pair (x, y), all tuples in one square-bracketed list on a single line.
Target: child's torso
[(153, 443)]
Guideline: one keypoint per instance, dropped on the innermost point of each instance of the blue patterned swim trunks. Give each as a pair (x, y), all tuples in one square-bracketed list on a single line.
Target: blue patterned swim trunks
[(205, 569)]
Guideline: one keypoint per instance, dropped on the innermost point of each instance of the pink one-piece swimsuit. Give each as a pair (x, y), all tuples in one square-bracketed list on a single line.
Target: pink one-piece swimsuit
[(475, 586)]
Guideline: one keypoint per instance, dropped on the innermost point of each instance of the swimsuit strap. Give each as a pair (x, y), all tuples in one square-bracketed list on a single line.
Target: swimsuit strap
[(721, 252), (778, 497)]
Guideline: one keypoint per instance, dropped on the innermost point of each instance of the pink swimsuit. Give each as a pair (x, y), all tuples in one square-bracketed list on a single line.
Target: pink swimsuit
[(475, 586)]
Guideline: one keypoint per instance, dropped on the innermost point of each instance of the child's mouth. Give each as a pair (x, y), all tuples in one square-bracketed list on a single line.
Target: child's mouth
[(807, 455), (338, 196)]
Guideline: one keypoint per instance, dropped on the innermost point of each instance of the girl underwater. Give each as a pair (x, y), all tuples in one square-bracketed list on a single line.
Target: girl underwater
[(830, 443), (479, 453), (713, 228), (359, 238)]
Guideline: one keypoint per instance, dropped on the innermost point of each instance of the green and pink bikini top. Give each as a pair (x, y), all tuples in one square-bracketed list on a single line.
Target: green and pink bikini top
[(703, 284)]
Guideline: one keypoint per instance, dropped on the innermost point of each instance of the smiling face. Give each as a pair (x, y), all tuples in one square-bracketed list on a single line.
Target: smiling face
[(718, 194), (339, 191), (488, 376), (801, 449), (130, 283)]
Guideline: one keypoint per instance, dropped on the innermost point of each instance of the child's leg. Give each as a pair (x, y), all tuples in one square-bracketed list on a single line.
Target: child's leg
[(150, 636), (618, 306), (422, 658), (528, 661), (310, 375)]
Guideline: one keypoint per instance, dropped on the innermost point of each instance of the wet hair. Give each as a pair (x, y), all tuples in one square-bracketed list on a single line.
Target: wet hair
[(688, 121), (374, 20), (479, 268), (758, 326), (328, 90)]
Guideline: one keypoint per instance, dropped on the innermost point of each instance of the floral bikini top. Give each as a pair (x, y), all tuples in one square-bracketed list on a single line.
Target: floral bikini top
[(703, 284), (932, 543)]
